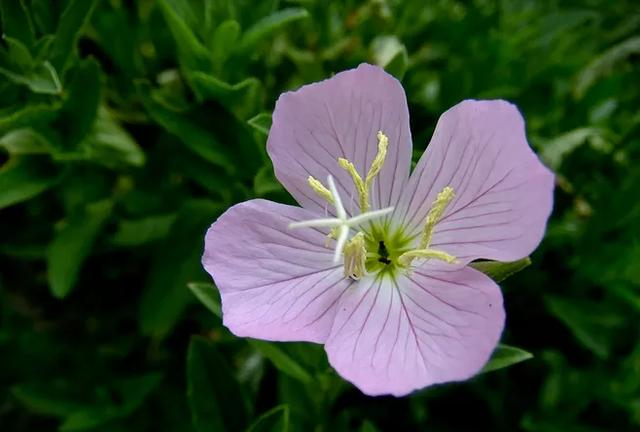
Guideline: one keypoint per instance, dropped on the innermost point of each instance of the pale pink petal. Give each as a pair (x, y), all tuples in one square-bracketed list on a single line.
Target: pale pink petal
[(504, 194), (276, 283), (340, 117), (435, 325)]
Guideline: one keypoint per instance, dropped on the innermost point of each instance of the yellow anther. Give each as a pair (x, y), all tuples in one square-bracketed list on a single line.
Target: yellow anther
[(406, 258), (362, 190), (333, 234), (320, 189), (355, 255), (363, 186), (378, 161), (433, 217), (435, 213)]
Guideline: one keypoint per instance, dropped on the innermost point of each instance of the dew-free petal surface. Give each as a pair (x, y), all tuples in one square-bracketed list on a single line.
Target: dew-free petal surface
[(340, 117), (504, 194), (438, 324), (275, 283)]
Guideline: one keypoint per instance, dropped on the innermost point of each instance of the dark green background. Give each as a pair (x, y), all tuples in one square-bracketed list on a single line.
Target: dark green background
[(127, 127)]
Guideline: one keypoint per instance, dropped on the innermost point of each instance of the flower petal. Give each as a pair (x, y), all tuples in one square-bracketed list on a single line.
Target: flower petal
[(340, 117), (435, 325), (504, 194), (275, 283)]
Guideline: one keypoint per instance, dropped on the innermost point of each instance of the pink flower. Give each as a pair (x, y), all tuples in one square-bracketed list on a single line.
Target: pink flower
[(393, 299)]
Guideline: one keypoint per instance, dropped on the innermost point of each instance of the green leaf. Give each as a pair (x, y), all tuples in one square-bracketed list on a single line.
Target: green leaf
[(269, 24), (110, 144), (265, 181), (132, 233), (195, 137), (81, 412), (215, 397), (604, 63), (22, 178), (71, 23), (261, 123), (24, 141), (208, 296), (554, 151), (193, 55), (281, 360), (499, 271), (16, 55), (593, 324), (240, 99), (43, 79), (274, 420), (16, 22), (176, 263), (391, 55), (505, 356), (367, 426), (80, 109), (132, 391), (27, 116), (44, 401), (72, 244), (223, 41)]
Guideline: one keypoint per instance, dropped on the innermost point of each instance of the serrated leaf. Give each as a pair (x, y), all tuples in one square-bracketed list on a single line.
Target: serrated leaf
[(274, 420), (72, 245), (216, 400), (208, 295), (22, 178), (499, 271), (505, 356), (269, 24), (261, 123), (281, 360)]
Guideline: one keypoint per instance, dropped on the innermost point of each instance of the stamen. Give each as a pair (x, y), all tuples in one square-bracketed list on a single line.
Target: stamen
[(378, 161), (320, 189), (340, 224), (435, 213), (433, 217), (406, 258), (355, 255), (363, 186), (363, 192)]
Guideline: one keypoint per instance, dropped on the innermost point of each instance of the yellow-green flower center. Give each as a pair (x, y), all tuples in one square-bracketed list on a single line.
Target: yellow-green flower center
[(376, 248)]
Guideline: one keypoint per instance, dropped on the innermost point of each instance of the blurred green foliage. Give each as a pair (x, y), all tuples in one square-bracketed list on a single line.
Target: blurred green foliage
[(127, 127)]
